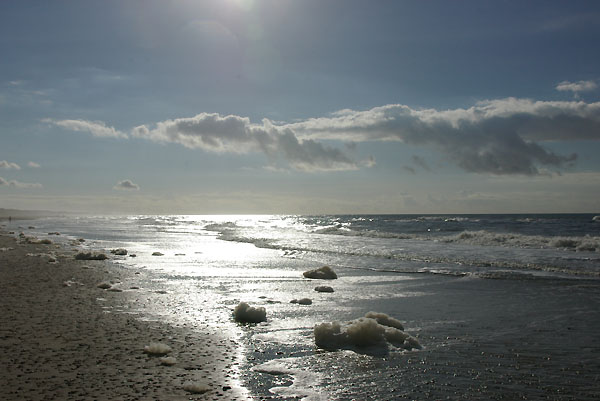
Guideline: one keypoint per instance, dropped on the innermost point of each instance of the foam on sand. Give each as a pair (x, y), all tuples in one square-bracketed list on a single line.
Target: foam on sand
[(303, 381), (119, 251), (90, 256), (379, 330), (195, 388), (157, 349), (245, 313), (168, 361), (323, 273), (385, 320)]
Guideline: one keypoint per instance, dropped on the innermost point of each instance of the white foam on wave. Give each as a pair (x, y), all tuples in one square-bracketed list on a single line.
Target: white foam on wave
[(487, 238)]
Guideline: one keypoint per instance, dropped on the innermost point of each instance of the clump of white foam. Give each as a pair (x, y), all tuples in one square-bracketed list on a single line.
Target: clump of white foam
[(375, 329), (323, 273), (90, 256), (157, 349), (196, 388), (70, 283), (119, 251), (323, 288), (301, 301), (247, 314), (385, 320), (168, 361)]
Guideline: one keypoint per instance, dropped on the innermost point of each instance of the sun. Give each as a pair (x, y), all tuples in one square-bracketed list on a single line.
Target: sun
[(243, 4)]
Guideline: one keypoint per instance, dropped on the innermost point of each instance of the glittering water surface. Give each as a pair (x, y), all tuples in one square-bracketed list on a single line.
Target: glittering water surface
[(505, 307)]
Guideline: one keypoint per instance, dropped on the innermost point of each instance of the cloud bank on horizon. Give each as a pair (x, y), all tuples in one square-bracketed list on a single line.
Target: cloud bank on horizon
[(18, 184), (500, 137)]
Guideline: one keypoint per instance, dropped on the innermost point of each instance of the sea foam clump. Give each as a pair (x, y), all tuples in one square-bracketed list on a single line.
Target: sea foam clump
[(245, 313), (119, 251), (90, 256), (379, 330), (302, 301), (157, 349), (195, 388), (323, 273)]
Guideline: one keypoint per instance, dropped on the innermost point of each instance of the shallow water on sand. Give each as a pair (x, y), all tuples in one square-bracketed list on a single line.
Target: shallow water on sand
[(526, 334)]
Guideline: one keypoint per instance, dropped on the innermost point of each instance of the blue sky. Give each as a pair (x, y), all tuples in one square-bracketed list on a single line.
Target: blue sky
[(248, 106)]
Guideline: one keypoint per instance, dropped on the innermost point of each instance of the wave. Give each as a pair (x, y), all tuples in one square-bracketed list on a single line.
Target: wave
[(456, 265), (341, 230), (486, 238), (481, 238)]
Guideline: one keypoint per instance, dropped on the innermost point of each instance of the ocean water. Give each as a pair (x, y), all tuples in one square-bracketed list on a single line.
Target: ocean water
[(503, 306)]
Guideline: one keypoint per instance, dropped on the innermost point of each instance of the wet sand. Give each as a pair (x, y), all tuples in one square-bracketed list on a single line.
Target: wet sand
[(62, 337)]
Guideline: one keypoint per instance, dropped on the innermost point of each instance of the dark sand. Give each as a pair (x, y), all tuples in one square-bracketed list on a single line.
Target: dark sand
[(63, 338)]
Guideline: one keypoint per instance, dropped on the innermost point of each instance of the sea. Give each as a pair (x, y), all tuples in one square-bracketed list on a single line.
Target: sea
[(500, 307)]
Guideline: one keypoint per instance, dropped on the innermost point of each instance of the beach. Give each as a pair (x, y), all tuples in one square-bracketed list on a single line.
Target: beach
[(492, 322), (63, 338)]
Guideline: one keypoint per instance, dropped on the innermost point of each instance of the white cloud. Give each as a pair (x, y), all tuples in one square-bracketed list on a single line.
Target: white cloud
[(33, 164), (576, 87), (9, 165), (234, 134), (126, 185), (500, 137), (497, 136), (96, 128), (18, 184)]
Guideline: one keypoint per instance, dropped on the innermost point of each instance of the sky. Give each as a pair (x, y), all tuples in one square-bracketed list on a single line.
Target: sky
[(300, 107)]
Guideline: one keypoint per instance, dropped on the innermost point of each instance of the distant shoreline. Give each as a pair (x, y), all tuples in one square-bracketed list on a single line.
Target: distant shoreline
[(15, 214)]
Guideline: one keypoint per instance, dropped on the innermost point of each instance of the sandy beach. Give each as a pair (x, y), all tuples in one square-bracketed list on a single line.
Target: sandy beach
[(62, 337)]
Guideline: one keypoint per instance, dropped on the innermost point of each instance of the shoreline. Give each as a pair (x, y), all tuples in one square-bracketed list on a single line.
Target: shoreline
[(62, 337)]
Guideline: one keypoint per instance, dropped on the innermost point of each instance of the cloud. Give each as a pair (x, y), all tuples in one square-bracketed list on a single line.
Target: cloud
[(33, 164), (96, 128), (500, 137), (410, 169), (497, 136), (126, 185), (576, 87), (419, 161), (17, 184), (235, 134), (9, 165)]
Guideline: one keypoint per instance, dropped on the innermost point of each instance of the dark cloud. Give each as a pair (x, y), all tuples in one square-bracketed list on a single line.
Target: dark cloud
[(498, 137), (419, 161)]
